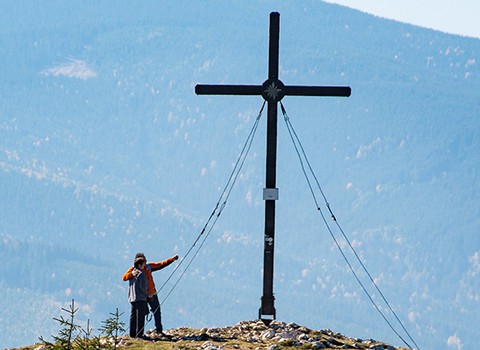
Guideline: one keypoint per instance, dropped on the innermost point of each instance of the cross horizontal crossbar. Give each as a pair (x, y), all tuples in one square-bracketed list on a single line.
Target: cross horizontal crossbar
[(341, 91), (290, 90), (228, 89)]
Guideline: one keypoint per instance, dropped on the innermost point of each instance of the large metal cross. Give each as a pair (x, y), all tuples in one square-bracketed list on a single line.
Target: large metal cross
[(272, 90)]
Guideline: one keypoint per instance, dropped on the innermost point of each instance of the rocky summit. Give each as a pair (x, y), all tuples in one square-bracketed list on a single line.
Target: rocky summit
[(256, 335)]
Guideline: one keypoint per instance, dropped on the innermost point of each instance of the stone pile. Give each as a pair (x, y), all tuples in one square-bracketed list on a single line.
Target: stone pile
[(275, 336)]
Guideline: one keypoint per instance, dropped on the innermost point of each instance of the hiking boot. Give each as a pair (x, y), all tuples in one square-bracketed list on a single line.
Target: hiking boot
[(155, 333), (162, 335)]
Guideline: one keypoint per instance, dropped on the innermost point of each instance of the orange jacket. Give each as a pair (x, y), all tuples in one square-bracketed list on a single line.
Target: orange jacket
[(151, 267)]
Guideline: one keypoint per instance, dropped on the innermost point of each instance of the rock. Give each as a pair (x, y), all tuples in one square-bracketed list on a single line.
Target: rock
[(289, 335), (377, 347), (318, 345), (334, 341), (276, 325), (327, 332), (293, 325), (268, 334), (304, 330), (303, 337), (209, 346), (274, 347), (211, 331), (259, 326)]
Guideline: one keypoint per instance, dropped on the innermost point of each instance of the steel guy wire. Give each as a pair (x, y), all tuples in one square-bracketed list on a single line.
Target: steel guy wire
[(220, 205), (297, 144)]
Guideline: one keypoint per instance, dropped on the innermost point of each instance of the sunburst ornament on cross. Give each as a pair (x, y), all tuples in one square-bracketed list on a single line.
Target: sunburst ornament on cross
[(273, 90)]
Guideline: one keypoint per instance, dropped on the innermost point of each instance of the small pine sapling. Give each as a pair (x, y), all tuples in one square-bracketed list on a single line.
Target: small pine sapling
[(111, 328), (86, 340), (67, 334)]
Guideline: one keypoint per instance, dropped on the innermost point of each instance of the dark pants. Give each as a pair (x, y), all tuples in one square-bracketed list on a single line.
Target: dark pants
[(157, 314), (137, 318)]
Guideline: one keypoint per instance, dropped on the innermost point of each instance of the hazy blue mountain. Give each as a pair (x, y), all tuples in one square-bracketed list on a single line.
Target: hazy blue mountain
[(106, 151)]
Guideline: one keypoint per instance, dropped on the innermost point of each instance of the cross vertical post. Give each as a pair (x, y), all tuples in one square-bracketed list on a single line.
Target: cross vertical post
[(267, 307), (272, 90)]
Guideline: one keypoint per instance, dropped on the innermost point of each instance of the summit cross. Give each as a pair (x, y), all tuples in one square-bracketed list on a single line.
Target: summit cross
[(272, 90)]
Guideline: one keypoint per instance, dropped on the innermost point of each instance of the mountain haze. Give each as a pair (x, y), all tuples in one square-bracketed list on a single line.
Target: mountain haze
[(106, 151)]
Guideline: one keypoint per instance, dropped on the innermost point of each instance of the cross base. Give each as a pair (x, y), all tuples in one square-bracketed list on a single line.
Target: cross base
[(267, 309)]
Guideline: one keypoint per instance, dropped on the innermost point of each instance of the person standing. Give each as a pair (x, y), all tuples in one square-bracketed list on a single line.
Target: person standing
[(137, 296), (152, 292)]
